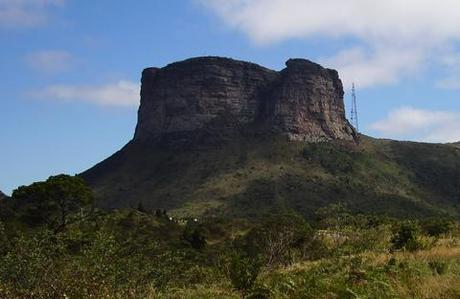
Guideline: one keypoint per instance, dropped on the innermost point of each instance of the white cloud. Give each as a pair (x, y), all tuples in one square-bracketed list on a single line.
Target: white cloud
[(429, 125), (447, 133), (121, 93), (393, 38), (25, 13), (384, 66), (50, 61), (275, 20)]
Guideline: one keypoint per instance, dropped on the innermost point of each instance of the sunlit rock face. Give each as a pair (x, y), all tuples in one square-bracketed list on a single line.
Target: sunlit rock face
[(209, 99), (307, 104)]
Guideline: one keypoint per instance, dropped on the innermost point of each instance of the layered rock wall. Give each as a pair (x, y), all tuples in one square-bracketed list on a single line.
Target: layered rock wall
[(308, 103), (207, 98)]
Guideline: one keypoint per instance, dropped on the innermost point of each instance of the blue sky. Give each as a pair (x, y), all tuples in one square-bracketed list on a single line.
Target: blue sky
[(70, 70)]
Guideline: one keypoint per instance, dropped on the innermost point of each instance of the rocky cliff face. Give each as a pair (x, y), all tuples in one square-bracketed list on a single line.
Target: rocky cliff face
[(308, 103), (209, 98)]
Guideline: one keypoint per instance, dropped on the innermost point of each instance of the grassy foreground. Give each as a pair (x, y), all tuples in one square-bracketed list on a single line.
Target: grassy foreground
[(368, 275), (136, 254), (432, 273)]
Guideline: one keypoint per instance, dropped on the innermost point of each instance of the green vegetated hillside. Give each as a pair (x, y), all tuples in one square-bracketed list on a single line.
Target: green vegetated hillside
[(54, 242), (249, 176)]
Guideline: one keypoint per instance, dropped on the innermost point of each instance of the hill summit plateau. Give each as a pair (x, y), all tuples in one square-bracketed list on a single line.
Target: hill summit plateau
[(208, 99), (216, 136)]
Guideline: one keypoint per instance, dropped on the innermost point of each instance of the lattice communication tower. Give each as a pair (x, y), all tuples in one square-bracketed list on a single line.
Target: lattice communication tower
[(354, 109)]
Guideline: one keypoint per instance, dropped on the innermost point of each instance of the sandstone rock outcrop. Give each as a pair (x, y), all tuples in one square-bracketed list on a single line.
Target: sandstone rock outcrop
[(208, 98), (308, 103)]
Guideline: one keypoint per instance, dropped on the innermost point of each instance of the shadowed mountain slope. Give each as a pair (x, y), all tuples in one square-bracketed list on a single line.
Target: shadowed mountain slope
[(248, 176)]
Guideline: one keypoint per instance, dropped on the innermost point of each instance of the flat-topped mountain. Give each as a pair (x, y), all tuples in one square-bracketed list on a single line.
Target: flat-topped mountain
[(208, 99), (220, 136)]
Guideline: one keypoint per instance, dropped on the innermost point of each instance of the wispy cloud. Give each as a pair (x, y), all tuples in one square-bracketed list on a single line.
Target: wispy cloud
[(50, 61), (25, 13), (393, 38), (428, 125), (383, 66), (121, 93)]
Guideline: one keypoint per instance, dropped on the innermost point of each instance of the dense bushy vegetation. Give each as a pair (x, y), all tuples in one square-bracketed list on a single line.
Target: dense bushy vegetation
[(72, 250)]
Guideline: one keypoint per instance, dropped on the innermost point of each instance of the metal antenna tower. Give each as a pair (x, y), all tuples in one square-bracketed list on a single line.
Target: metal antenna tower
[(354, 109)]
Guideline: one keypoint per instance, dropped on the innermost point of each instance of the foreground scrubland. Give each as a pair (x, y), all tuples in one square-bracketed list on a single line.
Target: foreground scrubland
[(64, 248)]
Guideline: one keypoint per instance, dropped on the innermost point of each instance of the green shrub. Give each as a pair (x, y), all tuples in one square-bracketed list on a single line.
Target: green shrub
[(438, 226), (4, 242), (356, 272), (243, 272), (195, 235), (438, 266), (259, 292), (407, 237), (280, 238), (370, 239), (316, 249)]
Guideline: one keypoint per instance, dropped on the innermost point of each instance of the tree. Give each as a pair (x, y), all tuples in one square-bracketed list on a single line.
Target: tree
[(55, 201)]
